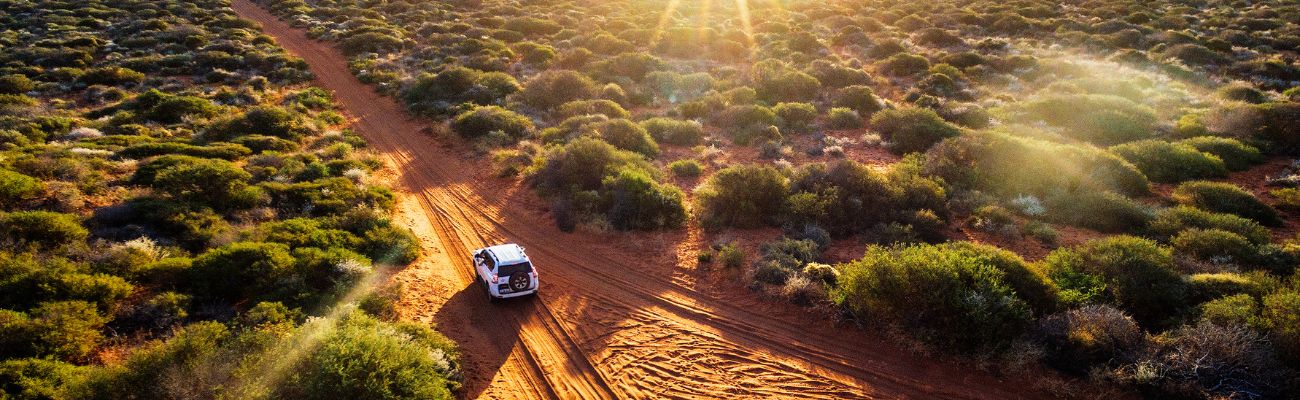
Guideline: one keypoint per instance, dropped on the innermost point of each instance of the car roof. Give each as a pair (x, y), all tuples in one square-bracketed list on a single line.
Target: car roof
[(507, 254)]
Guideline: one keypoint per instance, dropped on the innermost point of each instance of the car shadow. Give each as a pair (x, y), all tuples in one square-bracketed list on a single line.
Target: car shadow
[(483, 330)]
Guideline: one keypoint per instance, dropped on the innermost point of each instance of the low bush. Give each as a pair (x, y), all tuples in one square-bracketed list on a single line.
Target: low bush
[(1093, 335), (858, 98), (245, 270), (41, 229), (588, 107), (443, 92), (674, 132), (482, 120), (795, 116), (261, 120), (912, 129), (1171, 221), (365, 358), (1225, 198), (17, 189), (552, 89), (627, 135), (1236, 155), (846, 197), (1100, 119), (746, 115), (969, 305), (843, 118), (1166, 162), (111, 76), (1009, 166), (743, 196), (686, 168), (16, 84), (1135, 274), (1241, 92), (636, 201), (1215, 246), (904, 64), (66, 330)]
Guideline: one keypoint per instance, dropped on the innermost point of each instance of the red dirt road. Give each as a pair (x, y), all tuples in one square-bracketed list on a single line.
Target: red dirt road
[(621, 315)]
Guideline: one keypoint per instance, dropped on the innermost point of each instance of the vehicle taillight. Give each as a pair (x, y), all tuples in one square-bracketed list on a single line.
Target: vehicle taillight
[(495, 278)]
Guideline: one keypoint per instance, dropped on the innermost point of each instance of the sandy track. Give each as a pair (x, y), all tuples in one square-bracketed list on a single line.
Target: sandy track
[(619, 315)]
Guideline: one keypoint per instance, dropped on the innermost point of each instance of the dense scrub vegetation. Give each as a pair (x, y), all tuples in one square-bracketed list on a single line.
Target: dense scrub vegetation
[(176, 207), (901, 124)]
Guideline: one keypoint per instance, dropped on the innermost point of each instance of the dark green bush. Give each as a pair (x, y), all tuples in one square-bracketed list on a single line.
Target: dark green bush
[(442, 92), (16, 84), (674, 132), (111, 76), (1225, 198), (744, 196), (67, 330), (795, 116), (365, 358), (637, 201), (1236, 156), (1214, 245), (846, 197), (1241, 92), (954, 295), (904, 64), (1135, 274), (390, 245), (552, 89), (686, 168), (42, 229), (843, 118), (1166, 162), (224, 151), (34, 378), (1012, 166), (858, 98), (1092, 335), (244, 270), (1100, 119), (220, 184), (17, 189), (1170, 221), (587, 107), (912, 129), (627, 135), (482, 120), (742, 116)]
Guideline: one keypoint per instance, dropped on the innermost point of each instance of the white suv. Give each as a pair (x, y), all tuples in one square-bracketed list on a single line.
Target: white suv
[(505, 271)]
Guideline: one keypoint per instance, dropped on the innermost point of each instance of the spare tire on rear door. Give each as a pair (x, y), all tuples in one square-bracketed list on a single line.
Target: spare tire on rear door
[(519, 281)]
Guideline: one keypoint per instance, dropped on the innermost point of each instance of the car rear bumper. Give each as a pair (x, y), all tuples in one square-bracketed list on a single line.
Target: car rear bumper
[(500, 295)]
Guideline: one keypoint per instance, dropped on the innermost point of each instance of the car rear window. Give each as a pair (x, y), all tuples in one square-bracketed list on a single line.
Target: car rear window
[(507, 270)]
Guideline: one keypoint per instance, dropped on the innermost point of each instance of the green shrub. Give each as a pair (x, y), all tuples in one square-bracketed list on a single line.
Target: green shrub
[(244, 270), (1214, 245), (220, 184), (1277, 124), (16, 84), (843, 118), (552, 89), (587, 107), (775, 82), (171, 109), (1239, 309), (912, 129), (686, 168), (17, 189), (743, 196), (442, 92), (34, 378), (1100, 119), (1092, 335), (1209, 286), (674, 132), (1135, 274), (482, 120), (637, 201), (1236, 156), (67, 330), (967, 301), (627, 135), (111, 76), (1225, 198), (1241, 92), (43, 229), (795, 116), (224, 151), (1280, 315), (1166, 162), (390, 245), (1011, 166), (1170, 221), (904, 64), (847, 197), (260, 120), (741, 116), (365, 358), (581, 164), (858, 98)]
